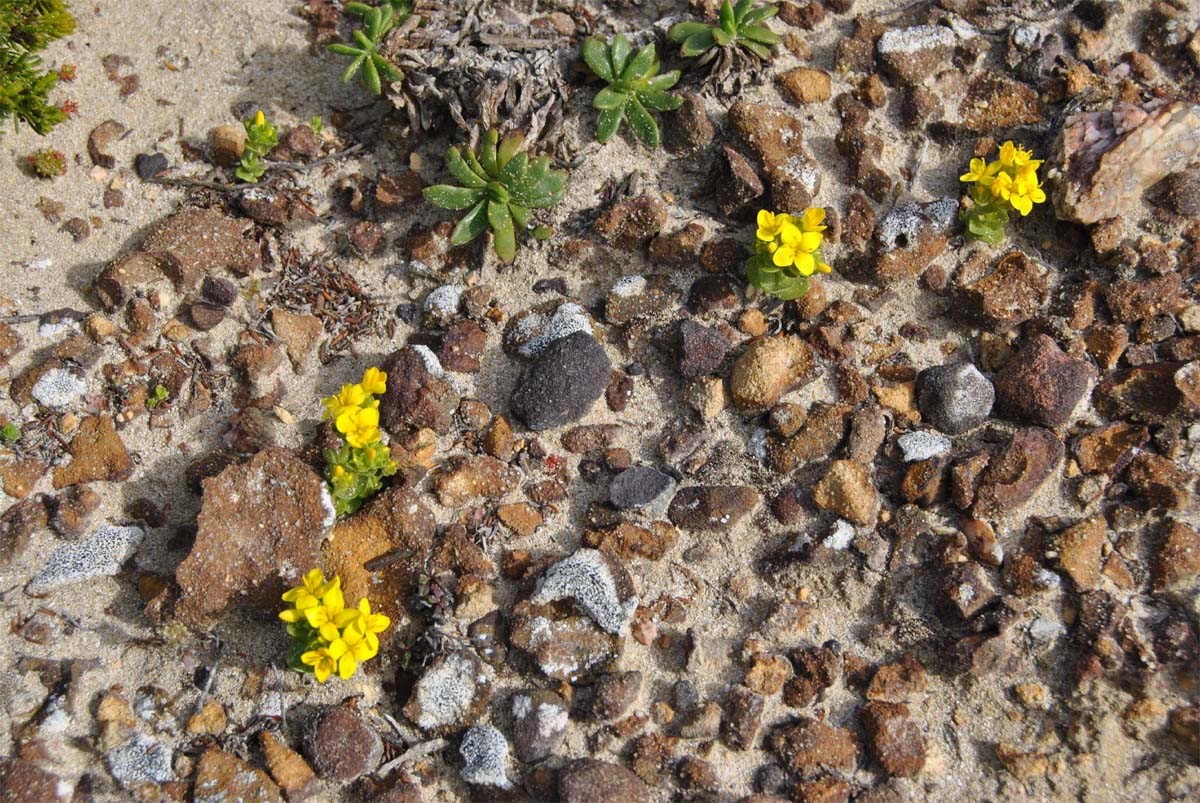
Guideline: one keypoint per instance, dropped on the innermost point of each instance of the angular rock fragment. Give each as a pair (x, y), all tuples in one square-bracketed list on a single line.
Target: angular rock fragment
[(909, 237), (1109, 158), (716, 507), (418, 394), (593, 582), (893, 739), (1042, 385), (1011, 294), (768, 368), (1015, 475), (261, 525), (452, 693), (194, 242), (222, 777), (954, 398), (811, 747), (540, 721), (914, 55), (847, 490)]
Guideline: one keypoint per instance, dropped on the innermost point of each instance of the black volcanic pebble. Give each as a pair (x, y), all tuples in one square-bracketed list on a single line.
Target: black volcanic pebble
[(149, 165), (562, 382)]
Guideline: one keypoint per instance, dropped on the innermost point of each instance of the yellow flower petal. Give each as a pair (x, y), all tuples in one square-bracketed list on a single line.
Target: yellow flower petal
[(346, 666), (812, 219), (784, 256), (805, 263), (810, 241)]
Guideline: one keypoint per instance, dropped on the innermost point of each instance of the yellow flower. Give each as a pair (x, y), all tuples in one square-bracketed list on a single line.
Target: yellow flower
[(308, 596), (374, 381), (979, 171), (330, 611), (362, 646), (349, 398), (327, 660), (771, 224), (369, 623), (260, 118), (812, 220), (359, 425)]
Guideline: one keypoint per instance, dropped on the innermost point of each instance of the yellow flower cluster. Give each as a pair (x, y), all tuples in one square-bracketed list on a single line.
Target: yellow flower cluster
[(793, 243), (1012, 179), (355, 410), (334, 638)]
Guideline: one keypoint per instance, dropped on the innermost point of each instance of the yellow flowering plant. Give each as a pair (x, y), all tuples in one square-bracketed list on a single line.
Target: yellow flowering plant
[(1009, 183), (327, 637), (787, 251), (355, 471)]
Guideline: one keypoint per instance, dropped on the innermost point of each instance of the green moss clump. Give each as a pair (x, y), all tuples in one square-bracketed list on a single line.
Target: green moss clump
[(26, 27)]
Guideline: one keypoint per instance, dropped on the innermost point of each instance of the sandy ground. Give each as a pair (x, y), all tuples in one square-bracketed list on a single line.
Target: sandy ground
[(228, 56)]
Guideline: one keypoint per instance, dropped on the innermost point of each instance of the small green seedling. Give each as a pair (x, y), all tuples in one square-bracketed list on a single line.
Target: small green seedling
[(501, 185), (378, 22), (316, 124), (739, 25), (10, 433), (634, 87), (157, 397), (261, 137)]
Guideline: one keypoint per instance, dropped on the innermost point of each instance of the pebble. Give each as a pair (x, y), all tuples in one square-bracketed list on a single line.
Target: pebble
[(807, 85), (58, 389), (1041, 384), (1014, 292), (452, 693), (810, 746), (149, 165), (744, 710), (847, 490), (261, 524), (922, 445), (1177, 558), (531, 331), (768, 368), (1080, 551), (702, 349), (909, 237), (893, 739), (914, 55), (225, 778), (540, 720), (636, 296), (340, 744), (485, 756), (290, 771), (142, 760), (228, 144), (561, 383), (711, 507), (588, 780), (101, 554), (841, 536), (614, 694), (587, 577), (442, 305), (22, 781), (571, 648), (640, 487), (466, 477), (954, 398), (630, 223)]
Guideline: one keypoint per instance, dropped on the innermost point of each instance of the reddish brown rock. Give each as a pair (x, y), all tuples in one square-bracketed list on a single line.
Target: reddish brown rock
[(1042, 385), (908, 238), (194, 242), (1080, 550), (820, 436), (768, 368), (522, 518), (587, 780), (1015, 475), (10, 343), (289, 769), (914, 55), (566, 648), (1160, 481), (462, 347), (260, 528), (1133, 301), (767, 674), (341, 744), (97, 455), (810, 747), (893, 739), (300, 334), (22, 781), (1143, 393), (807, 85), (1010, 295), (711, 507), (996, 101), (1177, 559), (1108, 449), (18, 478), (899, 682), (627, 540), (223, 777), (380, 552), (630, 223), (417, 394)]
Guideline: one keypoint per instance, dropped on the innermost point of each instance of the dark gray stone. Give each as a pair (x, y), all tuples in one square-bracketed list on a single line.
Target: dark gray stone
[(562, 382), (954, 398), (639, 486)]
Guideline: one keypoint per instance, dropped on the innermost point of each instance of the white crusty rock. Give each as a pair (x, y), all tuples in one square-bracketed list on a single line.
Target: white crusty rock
[(58, 388), (587, 578), (101, 554), (485, 754), (922, 445)]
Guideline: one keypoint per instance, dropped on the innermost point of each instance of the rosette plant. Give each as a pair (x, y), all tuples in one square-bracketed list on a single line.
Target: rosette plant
[(634, 88), (501, 185)]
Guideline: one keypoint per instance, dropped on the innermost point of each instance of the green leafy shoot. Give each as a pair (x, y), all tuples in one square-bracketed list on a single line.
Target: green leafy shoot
[(501, 184), (27, 26), (740, 25), (316, 124), (355, 474), (634, 88), (157, 397), (10, 433), (378, 22), (261, 137)]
